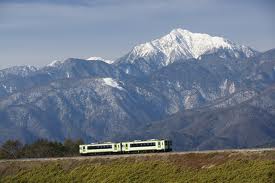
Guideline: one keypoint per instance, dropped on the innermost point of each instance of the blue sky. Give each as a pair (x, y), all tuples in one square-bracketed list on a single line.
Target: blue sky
[(36, 32)]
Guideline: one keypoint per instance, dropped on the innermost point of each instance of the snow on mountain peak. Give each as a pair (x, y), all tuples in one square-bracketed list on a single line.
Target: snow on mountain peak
[(101, 59), (183, 44), (18, 70), (55, 63)]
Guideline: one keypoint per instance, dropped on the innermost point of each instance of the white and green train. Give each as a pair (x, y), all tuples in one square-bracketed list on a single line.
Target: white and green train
[(137, 146)]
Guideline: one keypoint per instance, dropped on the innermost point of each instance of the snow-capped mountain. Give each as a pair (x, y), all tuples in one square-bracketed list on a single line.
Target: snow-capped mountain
[(20, 78), (101, 59), (77, 68), (223, 89), (57, 63), (17, 71), (180, 44)]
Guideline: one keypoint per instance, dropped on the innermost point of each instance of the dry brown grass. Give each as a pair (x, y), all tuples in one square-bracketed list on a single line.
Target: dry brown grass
[(174, 164)]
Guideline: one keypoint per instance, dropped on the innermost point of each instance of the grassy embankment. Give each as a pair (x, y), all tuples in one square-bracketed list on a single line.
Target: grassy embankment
[(258, 167)]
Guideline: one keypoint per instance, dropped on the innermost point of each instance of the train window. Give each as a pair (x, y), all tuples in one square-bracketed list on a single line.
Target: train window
[(84, 147), (100, 147), (159, 143), (143, 144)]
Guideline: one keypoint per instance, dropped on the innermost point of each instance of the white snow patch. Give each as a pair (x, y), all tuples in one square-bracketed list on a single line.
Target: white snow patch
[(101, 59), (30, 68), (232, 88), (11, 89), (67, 74), (223, 86), (223, 56), (55, 63), (227, 86), (113, 83), (178, 84), (190, 101)]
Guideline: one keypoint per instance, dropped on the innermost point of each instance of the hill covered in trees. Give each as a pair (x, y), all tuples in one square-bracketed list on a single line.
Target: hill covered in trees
[(42, 148)]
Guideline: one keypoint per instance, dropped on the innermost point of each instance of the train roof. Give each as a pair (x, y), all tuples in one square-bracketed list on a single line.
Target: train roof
[(145, 140), (98, 143)]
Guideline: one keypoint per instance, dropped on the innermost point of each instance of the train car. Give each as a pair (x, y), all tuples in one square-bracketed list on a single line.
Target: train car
[(143, 146), (137, 146), (100, 148)]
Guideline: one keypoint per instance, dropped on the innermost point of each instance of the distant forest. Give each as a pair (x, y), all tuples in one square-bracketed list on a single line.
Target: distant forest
[(42, 148)]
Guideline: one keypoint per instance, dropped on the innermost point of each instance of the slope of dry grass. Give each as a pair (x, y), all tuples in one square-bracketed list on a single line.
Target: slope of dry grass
[(212, 167)]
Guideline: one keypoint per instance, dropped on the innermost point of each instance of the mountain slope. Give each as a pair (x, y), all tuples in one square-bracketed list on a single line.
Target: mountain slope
[(191, 83), (91, 108), (247, 124)]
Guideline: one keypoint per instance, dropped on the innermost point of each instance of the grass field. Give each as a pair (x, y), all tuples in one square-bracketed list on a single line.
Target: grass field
[(239, 167)]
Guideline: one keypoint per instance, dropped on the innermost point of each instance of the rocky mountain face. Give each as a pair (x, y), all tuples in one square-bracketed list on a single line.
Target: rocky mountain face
[(200, 91)]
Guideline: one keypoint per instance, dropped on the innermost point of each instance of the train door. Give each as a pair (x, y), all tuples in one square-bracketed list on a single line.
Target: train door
[(159, 144)]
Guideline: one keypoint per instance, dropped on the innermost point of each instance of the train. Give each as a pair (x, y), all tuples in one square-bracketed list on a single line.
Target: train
[(136, 146)]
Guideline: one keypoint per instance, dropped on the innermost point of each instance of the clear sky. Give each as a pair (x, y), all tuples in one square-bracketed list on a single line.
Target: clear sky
[(36, 32)]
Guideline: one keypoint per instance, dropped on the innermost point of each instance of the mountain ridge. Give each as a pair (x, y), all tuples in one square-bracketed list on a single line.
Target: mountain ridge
[(97, 101), (180, 44)]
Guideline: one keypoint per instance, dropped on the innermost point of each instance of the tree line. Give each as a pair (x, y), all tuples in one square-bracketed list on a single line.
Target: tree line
[(41, 148)]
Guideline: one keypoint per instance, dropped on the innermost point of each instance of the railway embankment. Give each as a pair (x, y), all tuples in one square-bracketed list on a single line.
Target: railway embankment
[(220, 166)]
